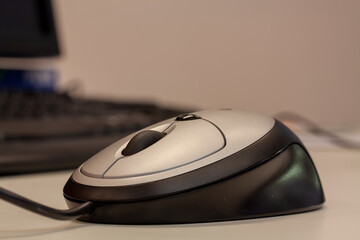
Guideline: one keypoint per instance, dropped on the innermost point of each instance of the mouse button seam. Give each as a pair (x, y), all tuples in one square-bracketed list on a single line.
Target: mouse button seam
[(218, 128), (164, 131), (103, 175)]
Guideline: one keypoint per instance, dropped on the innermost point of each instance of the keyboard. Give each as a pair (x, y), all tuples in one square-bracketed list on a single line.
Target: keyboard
[(46, 131)]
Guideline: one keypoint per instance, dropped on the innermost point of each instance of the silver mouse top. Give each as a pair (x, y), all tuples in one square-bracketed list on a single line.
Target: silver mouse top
[(189, 142)]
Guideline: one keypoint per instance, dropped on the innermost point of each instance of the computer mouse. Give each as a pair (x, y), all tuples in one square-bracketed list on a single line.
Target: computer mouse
[(212, 165)]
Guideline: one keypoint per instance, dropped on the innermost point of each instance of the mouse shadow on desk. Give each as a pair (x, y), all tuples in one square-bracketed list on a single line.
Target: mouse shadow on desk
[(308, 215), (21, 233)]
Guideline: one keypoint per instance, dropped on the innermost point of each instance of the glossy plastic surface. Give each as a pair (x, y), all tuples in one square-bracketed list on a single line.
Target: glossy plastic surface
[(287, 183)]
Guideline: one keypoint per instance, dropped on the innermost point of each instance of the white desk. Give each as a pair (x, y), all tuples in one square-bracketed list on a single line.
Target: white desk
[(339, 171)]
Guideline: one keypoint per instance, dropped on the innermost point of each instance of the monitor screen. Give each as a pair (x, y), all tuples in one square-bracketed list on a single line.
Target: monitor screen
[(27, 29)]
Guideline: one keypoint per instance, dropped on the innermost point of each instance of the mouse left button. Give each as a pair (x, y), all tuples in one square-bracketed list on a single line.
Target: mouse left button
[(97, 165), (100, 162)]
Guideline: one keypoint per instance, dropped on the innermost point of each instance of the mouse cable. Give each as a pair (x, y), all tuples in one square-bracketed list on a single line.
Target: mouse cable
[(315, 129), (66, 214)]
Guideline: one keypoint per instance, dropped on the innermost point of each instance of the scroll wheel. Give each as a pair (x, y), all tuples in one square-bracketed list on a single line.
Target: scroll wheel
[(141, 141)]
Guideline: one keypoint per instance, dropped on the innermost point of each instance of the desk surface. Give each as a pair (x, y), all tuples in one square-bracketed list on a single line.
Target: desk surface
[(339, 171)]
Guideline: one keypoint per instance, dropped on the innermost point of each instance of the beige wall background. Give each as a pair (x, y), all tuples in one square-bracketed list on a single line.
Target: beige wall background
[(264, 56)]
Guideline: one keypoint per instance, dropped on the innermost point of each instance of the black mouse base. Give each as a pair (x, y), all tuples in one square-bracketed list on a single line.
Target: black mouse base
[(286, 184)]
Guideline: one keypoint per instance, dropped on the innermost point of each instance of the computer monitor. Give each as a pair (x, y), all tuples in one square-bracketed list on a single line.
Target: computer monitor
[(27, 29)]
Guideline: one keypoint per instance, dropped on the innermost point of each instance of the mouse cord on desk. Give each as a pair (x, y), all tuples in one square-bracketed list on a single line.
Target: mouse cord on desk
[(67, 214)]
